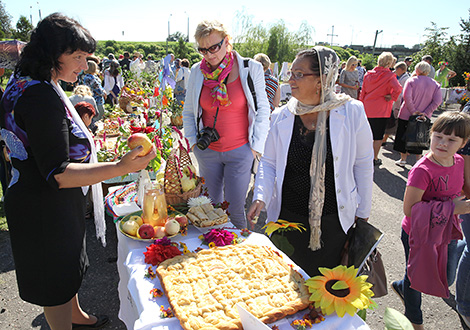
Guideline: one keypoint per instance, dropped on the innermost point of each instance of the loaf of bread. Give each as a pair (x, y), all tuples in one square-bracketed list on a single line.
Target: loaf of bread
[(204, 287)]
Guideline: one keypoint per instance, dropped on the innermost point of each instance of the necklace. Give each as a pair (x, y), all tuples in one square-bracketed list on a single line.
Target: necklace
[(436, 161)]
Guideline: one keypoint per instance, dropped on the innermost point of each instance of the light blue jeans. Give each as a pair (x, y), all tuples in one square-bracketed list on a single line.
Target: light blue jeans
[(227, 176), (463, 272)]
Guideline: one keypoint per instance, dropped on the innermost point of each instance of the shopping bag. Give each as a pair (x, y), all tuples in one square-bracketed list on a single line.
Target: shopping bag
[(360, 250), (417, 133)]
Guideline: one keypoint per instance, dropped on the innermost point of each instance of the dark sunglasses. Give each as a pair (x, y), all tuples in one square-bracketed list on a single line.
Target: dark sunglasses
[(212, 49)]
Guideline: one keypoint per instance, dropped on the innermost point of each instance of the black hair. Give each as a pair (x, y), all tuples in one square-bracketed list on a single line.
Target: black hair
[(312, 56), (55, 35)]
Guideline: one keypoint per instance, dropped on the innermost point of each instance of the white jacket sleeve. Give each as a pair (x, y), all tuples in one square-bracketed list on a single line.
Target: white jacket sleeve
[(261, 124), (190, 109)]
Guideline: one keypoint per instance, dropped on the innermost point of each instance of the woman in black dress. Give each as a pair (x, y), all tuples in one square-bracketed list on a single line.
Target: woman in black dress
[(54, 161)]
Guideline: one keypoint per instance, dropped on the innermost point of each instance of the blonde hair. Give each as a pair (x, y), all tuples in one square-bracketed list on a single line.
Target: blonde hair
[(82, 90), (263, 59), (351, 61), (205, 28), (92, 67), (385, 59)]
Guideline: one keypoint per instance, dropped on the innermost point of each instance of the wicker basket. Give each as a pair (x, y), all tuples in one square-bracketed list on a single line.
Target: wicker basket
[(173, 191)]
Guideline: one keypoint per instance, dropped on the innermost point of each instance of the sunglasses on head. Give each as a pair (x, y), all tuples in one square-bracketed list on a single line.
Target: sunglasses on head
[(212, 49)]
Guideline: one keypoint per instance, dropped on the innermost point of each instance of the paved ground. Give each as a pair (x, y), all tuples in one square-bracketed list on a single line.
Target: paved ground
[(99, 290)]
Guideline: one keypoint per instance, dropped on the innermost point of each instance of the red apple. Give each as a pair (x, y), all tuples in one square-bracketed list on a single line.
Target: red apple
[(140, 139), (183, 221), (146, 231)]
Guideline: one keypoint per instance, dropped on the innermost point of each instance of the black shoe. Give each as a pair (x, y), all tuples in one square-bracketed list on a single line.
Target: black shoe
[(377, 162), (399, 291), (101, 321)]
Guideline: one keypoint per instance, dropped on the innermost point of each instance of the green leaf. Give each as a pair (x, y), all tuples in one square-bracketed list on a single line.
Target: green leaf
[(340, 285), (362, 314), (282, 244), (394, 320)]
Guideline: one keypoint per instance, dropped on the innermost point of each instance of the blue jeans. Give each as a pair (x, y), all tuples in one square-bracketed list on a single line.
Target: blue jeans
[(227, 176), (412, 297), (463, 273)]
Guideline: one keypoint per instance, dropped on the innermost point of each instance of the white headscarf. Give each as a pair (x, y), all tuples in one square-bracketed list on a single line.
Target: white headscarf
[(98, 201), (329, 65)]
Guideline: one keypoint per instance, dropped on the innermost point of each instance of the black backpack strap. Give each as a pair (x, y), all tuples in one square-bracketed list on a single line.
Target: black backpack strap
[(250, 84)]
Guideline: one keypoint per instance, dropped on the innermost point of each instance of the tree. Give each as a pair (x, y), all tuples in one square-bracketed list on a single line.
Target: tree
[(177, 36), (5, 22), (23, 29), (460, 59), (435, 45)]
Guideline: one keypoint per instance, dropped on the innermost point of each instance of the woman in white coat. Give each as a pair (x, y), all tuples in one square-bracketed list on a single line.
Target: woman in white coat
[(317, 164), (224, 126)]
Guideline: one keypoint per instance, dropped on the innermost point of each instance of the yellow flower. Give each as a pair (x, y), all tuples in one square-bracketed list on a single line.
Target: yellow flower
[(271, 226), (211, 244), (340, 291)]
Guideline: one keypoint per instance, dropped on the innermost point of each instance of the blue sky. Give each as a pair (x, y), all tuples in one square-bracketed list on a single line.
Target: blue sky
[(402, 22)]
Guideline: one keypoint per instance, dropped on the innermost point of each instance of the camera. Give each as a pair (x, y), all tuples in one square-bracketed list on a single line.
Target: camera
[(206, 136)]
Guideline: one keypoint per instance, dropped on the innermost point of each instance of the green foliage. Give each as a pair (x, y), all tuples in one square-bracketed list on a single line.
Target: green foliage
[(394, 320), (181, 49), (5, 22), (434, 45), (282, 244), (369, 61), (23, 29)]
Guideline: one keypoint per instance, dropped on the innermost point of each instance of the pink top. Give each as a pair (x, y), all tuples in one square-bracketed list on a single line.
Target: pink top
[(438, 182), (379, 82), (232, 121), (421, 93)]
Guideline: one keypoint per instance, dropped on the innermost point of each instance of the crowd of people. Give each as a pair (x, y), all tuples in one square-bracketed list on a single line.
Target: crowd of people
[(316, 156)]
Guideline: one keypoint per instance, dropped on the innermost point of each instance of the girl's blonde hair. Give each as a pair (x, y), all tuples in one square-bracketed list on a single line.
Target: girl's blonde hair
[(352, 60), (82, 90), (92, 67), (449, 122)]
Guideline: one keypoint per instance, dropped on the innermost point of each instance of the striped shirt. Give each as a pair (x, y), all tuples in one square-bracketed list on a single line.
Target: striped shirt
[(272, 84)]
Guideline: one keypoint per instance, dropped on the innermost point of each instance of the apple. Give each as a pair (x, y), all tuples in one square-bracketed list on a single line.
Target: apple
[(182, 220), (137, 219), (130, 227), (159, 231), (188, 184), (140, 139), (172, 227), (146, 231)]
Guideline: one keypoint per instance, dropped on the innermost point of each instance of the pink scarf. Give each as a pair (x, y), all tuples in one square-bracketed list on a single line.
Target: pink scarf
[(215, 79)]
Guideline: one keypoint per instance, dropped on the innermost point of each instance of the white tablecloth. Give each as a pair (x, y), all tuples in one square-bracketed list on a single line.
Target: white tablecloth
[(453, 95), (141, 312)]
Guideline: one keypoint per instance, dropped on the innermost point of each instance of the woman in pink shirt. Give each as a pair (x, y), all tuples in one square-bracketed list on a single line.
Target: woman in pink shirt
[(421, 96), (379, 90)]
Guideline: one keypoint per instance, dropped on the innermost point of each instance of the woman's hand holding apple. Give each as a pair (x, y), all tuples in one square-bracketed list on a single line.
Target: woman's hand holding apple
[(132, 162)]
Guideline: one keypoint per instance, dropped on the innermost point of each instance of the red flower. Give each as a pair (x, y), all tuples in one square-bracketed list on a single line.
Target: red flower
[(149, 129), (165, 100), (157, 253), (156, 92)]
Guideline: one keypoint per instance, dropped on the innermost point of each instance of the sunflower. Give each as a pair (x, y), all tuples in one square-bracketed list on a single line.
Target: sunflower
[(340, 290), (282, 225)]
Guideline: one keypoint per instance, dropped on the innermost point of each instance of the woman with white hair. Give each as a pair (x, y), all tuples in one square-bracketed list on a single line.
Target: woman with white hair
[(349, 78), (421, 96), (379, 90)]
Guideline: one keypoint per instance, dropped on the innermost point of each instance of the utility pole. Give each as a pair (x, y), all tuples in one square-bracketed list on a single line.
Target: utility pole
[(30, 14), (377, 32), (39, 9), (332, 34), (168, 34)]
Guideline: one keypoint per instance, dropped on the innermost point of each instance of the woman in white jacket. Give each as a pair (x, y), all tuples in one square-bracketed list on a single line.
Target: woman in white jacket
[(220, 117), (317, 164)]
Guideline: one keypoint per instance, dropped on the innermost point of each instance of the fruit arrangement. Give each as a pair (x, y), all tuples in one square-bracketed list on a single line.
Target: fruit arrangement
[(134, 227)]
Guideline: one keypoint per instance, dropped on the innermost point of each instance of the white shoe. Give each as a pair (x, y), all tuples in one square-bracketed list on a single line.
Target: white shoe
[(400, 163)]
